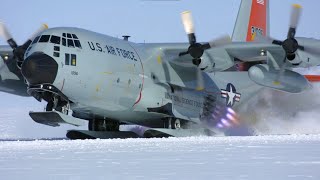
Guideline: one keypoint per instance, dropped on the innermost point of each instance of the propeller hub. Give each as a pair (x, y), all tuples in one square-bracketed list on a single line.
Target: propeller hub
[(196, 50), (290, 45)]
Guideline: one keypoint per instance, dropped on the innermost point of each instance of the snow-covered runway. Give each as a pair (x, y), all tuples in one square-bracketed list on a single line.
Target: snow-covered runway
[(256, 157)]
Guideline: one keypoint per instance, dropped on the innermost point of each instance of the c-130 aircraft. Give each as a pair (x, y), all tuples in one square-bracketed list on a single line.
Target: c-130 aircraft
[(171, 89)]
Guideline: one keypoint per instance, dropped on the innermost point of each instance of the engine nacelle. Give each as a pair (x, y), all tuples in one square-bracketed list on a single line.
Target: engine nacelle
[(214, 60), (304, 58), (294, 59)]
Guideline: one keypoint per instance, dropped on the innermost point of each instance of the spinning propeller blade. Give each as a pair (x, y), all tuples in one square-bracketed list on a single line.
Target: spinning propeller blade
[(18, 51), (196, 49)]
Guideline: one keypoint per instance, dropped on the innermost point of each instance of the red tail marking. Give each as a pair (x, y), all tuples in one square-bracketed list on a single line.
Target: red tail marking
[(258, 19)]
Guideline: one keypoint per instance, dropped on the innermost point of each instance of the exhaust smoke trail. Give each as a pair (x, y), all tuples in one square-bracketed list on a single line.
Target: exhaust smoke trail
[(274, 112)]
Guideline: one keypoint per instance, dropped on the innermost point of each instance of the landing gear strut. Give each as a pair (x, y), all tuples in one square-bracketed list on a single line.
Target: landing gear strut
[(58, 104), (176, 124), (173, 123), (103, 125)]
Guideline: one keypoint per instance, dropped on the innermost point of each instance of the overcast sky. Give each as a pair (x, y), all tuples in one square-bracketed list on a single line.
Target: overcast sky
[(147, 21)]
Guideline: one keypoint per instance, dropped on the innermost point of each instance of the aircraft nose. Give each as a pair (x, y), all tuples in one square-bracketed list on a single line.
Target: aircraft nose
[(39, 68)]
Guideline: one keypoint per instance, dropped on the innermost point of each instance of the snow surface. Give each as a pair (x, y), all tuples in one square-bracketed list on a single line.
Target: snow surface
[(15, 122), (255, 157)]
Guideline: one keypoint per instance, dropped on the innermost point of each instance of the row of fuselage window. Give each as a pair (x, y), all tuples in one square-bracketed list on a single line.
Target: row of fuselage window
[(68, 40)]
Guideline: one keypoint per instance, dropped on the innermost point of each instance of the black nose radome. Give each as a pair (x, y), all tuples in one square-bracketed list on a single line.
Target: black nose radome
[(39, 68)]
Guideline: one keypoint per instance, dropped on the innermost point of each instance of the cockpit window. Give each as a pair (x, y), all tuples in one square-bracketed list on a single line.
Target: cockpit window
[(55, 39), (77, 43), (44, 38), (70, 40), (36, 39), (74, 36), (70, 43), (64, 42)]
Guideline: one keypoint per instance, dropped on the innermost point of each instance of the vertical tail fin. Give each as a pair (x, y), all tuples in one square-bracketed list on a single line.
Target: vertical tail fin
[(252, 19)]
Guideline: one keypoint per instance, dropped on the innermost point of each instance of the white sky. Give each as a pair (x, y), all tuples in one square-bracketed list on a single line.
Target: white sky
[(146, 20)]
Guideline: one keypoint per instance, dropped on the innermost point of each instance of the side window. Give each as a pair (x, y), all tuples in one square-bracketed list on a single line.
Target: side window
[(64, 42), (67, 59), (36, 39), (70, 59), (56, 54), (73, 60), (70, 43), (77, 43), (44, 38), (69, 35), (55, 39)]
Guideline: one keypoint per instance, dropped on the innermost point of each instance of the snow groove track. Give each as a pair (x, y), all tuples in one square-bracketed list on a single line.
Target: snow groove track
[(256, 157)]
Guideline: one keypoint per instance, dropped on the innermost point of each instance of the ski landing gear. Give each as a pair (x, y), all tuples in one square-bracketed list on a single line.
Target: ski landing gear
[(101, 129), (55, 118), (174, 127), (108, 129), (83, 134)]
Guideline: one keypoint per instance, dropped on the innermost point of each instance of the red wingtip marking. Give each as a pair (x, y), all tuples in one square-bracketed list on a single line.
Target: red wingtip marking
[(313, 78)]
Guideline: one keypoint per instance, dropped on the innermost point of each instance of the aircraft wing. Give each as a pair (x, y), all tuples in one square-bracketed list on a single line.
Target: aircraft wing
[(179, 70), (250, 51), (5, 50), (222, 58), (276, 72), (11, 80), (255, 51)]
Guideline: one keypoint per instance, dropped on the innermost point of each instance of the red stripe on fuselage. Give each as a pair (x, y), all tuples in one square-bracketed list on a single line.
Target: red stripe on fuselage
[(140, 93)]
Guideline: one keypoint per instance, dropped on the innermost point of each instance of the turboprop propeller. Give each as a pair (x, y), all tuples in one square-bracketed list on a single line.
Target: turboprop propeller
[(196, 49), (290, 45), (19, 51)]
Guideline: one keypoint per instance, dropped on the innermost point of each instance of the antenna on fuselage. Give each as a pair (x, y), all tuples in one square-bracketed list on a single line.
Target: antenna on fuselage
[(126, 37)]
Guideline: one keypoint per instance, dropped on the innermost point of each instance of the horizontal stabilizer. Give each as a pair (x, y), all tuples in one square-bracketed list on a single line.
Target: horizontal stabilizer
[(54, 118), (289, 81)]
